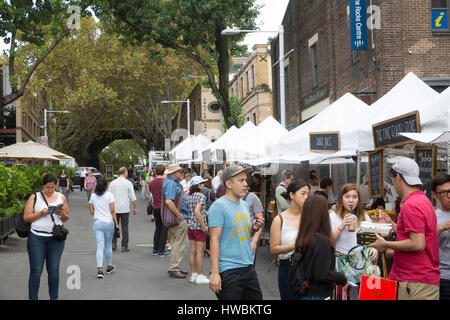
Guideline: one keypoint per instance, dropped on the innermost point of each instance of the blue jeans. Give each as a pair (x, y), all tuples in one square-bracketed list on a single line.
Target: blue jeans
[(42, 249), (283, 282), (444, 289), (103, 235)]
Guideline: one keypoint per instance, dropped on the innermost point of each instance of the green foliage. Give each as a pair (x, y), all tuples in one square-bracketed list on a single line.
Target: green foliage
[(236, 117), (18, 182), (121, 153)]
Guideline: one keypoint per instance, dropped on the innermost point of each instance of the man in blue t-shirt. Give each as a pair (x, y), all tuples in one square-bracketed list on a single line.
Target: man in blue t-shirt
[(233, 276), (171, 190)]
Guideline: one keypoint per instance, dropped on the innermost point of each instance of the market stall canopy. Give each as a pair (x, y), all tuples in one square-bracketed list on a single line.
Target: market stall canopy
[(242, 145), (342, 120), (260, 147), (409, 95), (434, 121), (30, 151), (195, 148), (224, 142)]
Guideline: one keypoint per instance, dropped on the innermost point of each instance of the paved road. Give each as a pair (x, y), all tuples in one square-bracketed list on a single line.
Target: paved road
[(139, 275)]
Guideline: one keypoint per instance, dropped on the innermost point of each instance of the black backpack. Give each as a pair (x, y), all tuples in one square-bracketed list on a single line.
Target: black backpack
[(22, 227), (296, 275)]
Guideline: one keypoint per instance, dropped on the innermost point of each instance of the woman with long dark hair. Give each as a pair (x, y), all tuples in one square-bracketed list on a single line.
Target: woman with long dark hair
[(284, 230), (314, 242), (41, 245), (101, 204)]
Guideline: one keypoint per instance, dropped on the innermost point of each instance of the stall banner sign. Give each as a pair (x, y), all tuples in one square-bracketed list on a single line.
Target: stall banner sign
[(358, 24)]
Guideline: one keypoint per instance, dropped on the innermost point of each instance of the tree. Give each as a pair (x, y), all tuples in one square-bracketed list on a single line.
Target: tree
[(191, 27), (39, 22), (121, 153)]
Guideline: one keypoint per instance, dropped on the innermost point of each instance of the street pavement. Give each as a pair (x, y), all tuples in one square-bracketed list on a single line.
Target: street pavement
[(138, 274)]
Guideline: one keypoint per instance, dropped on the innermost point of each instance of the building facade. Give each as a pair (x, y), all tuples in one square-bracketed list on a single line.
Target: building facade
[(253, 85), (406, 36), (20, 120)]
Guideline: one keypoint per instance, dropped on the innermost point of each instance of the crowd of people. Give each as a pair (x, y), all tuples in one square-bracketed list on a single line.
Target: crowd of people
[(223, 218)]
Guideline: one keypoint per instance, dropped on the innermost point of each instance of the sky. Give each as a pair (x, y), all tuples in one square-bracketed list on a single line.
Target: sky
[(270, 18)]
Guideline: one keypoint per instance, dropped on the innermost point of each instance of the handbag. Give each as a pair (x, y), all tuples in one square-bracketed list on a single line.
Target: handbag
[(169, 219), (356, 263), (59, 231), (378, 288)]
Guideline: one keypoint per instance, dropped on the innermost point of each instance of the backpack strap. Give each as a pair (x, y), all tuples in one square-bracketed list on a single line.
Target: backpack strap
[(51, 215)]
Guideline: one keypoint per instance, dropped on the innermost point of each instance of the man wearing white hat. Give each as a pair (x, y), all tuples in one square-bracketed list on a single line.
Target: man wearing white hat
[(416, 249), (171, 190)]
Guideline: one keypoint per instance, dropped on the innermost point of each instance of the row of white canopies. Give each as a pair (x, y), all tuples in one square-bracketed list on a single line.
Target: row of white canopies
[(269, 142)]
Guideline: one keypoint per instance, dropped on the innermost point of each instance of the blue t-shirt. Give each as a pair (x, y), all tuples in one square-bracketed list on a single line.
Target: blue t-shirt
[(171, 189), (235, 240)]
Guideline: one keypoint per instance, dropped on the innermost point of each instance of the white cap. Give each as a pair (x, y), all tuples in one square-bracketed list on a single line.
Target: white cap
[(408, 168), (197, 180)]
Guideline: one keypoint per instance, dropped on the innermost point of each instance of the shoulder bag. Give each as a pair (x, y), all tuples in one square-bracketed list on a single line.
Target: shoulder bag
[(169, 218)]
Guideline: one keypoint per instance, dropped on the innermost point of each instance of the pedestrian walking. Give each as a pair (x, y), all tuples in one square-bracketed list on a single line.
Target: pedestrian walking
[(256, 210), (63, 184), (233, 275), (217, 181), (287, 177), (440, 187), (186, 183), (123, 193), (171, 190), (160, 234), (143, 182), (314, 242), (90, 183), (197, 229), (101, 204), (284, 231), (41, 246), (83, 175), (416, 249)]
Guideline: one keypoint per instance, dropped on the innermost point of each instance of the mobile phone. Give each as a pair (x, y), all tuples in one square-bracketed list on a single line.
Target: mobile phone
[(59, 206)]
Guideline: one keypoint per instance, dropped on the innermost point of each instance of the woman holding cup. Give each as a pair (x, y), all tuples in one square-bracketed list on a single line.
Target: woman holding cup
[(346, 220)]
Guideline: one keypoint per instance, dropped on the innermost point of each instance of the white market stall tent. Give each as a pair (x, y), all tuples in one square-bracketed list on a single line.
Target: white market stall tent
[(199, 143), (410, 94), (184, 151), (224, 142), (343, 119), (240, 147)]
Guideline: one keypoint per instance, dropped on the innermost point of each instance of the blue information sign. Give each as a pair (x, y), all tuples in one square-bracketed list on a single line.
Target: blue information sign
[(358, 24), (439, 19)]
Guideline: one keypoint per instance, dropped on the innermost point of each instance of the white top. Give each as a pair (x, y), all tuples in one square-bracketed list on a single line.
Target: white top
[(186, 185), (216, 183), (346, 239), (123, 192), (83, 173), (288, 236), (45, 223), (101, 204)]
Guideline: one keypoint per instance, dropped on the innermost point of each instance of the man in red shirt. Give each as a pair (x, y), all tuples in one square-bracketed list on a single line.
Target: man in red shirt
[(160, 235), (416, 249)]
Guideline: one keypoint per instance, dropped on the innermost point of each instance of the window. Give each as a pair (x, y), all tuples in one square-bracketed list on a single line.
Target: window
[(252, 75), (214, 107), (254, 118), (247, 82), (315, 67), (439, 15)]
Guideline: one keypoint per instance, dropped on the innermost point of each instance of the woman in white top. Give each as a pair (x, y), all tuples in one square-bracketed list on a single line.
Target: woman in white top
[(284, 231), (349, 204), (41, 246), (102, 208)]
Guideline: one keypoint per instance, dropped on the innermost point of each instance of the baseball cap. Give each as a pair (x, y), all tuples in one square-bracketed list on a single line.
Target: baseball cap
[(197, 180), (233, 170), (408, 168)]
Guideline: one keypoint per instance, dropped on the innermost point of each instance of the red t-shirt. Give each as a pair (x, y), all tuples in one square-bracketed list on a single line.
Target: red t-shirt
[(155, 187), (417, 215)]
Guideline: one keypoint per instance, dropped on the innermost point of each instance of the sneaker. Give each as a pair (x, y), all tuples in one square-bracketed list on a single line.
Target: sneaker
[(154, 253), (114, 246), (201, 279), (164, 254), (110, 269), (100, 275), (193, 277), (125, 249), (169, 247)]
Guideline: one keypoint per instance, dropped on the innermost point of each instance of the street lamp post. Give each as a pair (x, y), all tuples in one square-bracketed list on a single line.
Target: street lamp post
[(45, 118), (188, 112), (229, 31)]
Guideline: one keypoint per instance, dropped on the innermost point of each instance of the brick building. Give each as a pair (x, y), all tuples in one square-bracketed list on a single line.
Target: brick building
[(323, 67), (253, 85)]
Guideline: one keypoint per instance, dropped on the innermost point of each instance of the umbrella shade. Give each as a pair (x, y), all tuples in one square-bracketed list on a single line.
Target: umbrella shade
[(26, 151)]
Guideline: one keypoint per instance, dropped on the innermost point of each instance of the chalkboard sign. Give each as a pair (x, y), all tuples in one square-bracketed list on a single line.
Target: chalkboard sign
[(325, 141), (376, 182), (109, 171), (386, 133), (426, 159)]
